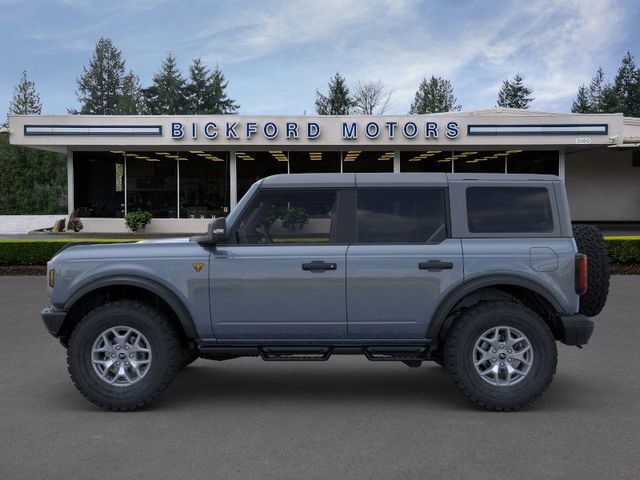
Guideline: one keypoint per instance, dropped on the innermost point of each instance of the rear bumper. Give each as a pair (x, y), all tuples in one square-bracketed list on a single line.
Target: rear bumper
[(53, 319), (575, 329)]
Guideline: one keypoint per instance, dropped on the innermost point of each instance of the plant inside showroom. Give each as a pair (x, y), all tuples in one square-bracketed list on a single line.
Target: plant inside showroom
[(137, 220)]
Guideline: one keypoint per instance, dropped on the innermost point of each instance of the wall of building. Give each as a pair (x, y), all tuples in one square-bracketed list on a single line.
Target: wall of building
[(602, 185)]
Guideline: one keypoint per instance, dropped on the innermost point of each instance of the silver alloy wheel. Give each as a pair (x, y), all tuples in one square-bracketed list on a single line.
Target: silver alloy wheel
[(121, 356), (503, 356)]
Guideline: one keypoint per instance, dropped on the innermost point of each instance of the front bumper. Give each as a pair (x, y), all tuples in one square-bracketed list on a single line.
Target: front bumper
[(54, 320), (575, 329)]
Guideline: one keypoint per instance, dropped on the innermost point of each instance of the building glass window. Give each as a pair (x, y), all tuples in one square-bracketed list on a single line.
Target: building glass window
[(533, 161), (204, 184), (99, 184), (314, 162), (426, 161), (152, 183), (289, 216), (478, 161), (367, 161), (252, 166)]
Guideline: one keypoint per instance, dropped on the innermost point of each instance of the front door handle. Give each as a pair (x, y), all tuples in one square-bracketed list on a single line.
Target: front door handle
[(435, 265), (319, 266)]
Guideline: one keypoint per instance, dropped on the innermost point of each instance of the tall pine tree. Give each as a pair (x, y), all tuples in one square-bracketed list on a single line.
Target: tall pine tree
[(167, 95), (514, 93), (337, 101), (627, 86), (434, 95), (581, 104), (100, 84), (130, 101), (206, 91), (26, 100)]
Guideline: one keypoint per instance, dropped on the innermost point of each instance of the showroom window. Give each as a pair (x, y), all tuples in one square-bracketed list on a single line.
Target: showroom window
[(252, 166), (367, 161), (99, 184), (426, 161), (203, 178), (533, 161), (152, 183)]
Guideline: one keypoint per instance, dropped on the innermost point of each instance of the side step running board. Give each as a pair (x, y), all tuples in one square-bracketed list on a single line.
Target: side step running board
[(295, 354), (391, 354)]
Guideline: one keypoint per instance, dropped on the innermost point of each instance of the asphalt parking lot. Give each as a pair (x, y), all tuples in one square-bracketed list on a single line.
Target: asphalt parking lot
[(345, 418)]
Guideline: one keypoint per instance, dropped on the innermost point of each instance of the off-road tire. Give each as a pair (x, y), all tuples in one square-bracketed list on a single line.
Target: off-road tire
[(591, 242), (460, 343), (165, 347)]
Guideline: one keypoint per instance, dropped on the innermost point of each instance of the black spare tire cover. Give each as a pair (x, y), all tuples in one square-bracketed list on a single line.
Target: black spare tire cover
[(591, 242)]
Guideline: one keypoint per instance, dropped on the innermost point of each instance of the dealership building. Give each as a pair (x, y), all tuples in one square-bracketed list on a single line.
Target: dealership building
[(186, 170)]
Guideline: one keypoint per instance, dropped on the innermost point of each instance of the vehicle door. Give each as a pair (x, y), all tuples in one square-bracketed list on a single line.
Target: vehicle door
[(283, 276), (401, 262)]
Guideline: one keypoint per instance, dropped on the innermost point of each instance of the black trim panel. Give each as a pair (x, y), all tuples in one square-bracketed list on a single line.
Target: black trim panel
[(466, 288), (163, 292)]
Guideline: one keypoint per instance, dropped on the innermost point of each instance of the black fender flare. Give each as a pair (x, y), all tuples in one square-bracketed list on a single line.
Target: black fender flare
[(178, 307), (466, 288)]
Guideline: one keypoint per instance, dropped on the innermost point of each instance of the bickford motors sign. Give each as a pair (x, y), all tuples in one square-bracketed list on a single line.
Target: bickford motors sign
[(292, 130)]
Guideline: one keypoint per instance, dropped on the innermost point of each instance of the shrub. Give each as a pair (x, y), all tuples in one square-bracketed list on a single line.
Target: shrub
[(623, 249), (39, 252), (137, 220)]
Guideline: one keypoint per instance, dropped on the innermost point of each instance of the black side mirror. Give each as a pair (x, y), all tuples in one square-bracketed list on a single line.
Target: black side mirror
[(217, 231)]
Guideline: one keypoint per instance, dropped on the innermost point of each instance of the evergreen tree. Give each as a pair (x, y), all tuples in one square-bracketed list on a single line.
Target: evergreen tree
[(514, 93), (26, 100), (222, 103), (31, 181), (596, 88), (627, 86), (337, 101), (206, 92), (130, 101), (581, 104), (434, 95), (167, 96), (100, 84)]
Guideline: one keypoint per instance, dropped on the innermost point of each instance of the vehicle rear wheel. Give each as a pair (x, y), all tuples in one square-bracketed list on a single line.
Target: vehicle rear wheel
[(123, 354), (590, 241), (501, 355)]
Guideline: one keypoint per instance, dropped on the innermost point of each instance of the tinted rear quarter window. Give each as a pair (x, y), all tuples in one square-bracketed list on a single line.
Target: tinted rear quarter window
[(401, 215), (509, 210)]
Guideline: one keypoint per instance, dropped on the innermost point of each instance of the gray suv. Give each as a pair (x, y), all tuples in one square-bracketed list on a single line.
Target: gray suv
[(481, 274)]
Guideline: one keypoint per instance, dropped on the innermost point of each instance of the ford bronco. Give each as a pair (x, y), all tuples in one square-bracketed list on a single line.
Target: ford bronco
[(479, 273)]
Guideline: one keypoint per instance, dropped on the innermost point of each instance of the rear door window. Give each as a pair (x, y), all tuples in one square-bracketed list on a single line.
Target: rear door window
[(509, 210), (401, 215)]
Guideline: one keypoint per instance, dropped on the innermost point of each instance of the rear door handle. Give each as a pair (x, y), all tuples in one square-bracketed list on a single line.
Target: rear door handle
[(319, 266), (435, 265)]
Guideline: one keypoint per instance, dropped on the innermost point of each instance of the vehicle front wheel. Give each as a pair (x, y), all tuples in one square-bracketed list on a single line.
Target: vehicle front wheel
[(123, 354), (501, 355)]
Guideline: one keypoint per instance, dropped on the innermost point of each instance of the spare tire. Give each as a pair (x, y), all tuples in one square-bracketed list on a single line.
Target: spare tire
[(591, 242)]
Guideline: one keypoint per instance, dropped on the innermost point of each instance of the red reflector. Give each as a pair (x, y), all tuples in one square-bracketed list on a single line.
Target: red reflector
[(582, 271)]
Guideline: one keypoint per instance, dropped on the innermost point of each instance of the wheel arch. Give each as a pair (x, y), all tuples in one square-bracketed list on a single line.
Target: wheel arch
[(91, 295), (522, 289)]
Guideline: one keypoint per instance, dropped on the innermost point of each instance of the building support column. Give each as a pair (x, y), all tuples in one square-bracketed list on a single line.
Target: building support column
[(396, 161), (233, 180), (561, 164), (70, 194)]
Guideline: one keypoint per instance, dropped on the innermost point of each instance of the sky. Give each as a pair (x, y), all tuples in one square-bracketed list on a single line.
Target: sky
[(275, 54)]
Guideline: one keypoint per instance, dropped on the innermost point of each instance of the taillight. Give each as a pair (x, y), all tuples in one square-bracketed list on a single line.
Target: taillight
[(582, 269)]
